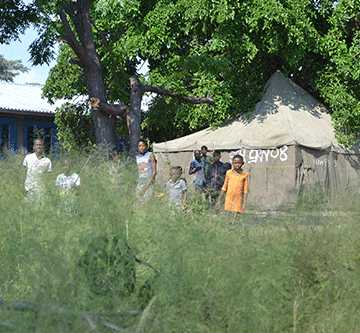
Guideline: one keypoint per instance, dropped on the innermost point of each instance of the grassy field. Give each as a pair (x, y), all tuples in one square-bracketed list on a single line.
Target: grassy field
[(74, 270)]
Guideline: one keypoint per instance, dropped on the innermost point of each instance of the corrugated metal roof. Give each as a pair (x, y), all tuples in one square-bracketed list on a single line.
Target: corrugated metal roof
[(25, 97)]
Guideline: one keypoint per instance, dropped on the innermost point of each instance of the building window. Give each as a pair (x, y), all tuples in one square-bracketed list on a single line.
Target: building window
[(44, 133), (5, 136), (48, 133)]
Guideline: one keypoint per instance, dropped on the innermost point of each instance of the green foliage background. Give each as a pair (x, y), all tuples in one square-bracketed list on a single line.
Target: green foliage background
[(295, 271), (75, 127), (226, 48)]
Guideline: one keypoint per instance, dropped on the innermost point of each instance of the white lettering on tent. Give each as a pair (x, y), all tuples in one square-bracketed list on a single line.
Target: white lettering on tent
[(325, 162), (254, 156), (260, 155), (241, 152), (283, 155), (272, 153), (266, 154)]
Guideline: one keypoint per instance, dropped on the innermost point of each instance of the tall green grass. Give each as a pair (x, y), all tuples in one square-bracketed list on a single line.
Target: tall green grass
[(291, 272)]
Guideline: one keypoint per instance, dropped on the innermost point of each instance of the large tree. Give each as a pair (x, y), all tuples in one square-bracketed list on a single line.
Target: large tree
[(76, 28), (235, 46), (227, 49)]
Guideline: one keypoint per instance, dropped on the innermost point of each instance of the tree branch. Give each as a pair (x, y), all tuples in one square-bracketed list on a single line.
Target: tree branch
[(69, 9), (188, 99), (146, 264), (90, 317), (88, 3), (62, 39), (111, 109), (76, 62), (72, 41), (107, 46)]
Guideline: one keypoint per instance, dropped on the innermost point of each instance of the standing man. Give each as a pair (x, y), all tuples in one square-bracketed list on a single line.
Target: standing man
[(217, 175), (197, 169), (36, 164), (207, 164)]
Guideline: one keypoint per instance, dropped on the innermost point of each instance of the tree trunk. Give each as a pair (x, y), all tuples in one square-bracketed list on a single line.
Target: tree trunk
[(133, 119), (84, 48), (104, 124)]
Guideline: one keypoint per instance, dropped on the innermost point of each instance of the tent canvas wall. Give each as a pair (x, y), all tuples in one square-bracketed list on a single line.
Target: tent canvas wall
[(287, 141)]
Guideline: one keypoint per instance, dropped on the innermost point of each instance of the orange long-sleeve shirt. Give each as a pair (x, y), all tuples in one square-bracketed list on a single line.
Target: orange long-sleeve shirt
[(235, 186)]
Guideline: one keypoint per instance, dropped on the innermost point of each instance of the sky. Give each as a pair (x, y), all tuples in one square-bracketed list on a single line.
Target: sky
[(18, 50)]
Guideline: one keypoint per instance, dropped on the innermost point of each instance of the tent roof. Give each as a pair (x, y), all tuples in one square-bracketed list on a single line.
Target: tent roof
[(286, 115)]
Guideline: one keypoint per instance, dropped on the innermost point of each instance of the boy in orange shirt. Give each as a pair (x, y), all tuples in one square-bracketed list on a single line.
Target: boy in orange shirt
[(236, 187)]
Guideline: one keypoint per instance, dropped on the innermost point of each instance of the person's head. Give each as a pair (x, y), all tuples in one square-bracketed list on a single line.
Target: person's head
[(38, 146), (238, 162), (197, 154), (142, 146), (66, 165), (175, 173), (116, 153), (216, 156), (204, 150)]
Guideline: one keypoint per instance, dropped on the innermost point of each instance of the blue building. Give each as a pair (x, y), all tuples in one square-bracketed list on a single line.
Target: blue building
[(24, 116)]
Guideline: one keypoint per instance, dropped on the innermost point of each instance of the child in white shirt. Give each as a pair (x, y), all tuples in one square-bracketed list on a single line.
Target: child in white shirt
[(176, 188)]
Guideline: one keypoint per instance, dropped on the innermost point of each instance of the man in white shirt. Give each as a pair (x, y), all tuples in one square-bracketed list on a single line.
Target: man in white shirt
[(36, 164)]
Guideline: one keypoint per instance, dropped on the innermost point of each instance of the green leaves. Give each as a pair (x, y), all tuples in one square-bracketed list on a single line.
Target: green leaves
[(227, 48), (338, 82), (15, 17), (75, 127), (65, 80), (10, 68)]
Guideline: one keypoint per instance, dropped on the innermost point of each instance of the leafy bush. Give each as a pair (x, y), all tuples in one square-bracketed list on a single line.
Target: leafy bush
[(109, 266), (75, 127)]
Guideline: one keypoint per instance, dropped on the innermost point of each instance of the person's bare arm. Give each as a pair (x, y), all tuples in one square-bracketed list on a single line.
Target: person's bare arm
[(244, 201), (184, 199), (193, 170), (246, 185), (217, 206)]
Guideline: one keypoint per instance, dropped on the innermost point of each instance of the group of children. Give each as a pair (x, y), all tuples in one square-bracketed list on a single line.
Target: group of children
[(211, 176)]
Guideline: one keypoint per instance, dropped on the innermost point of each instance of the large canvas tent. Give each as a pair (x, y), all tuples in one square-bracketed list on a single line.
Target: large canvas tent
[(287, 142)]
